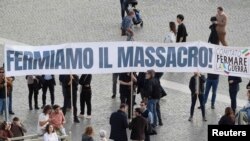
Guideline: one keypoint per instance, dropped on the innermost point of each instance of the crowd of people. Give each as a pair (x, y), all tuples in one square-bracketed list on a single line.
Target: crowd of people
[(143, 120)]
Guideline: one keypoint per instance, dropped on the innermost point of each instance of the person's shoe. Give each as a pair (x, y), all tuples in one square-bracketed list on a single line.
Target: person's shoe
[(160, 123), (81, 116), (31, 108), (37, 108), (88, 117), (190, 118), (42, 107), (204, 119), (113, 96), (11, 113), (76, 120), (212, 107), (199, 107)]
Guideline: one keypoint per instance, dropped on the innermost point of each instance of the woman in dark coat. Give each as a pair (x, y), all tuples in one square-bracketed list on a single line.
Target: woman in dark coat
[(228, 118)]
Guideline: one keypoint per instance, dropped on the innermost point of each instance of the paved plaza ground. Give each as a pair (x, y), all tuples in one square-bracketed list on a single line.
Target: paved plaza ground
[(46, 22)]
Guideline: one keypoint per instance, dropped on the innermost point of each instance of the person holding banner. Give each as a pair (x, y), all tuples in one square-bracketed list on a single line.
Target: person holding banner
[(234, 87), (125, 90), (71, 83), (33, 86), (48, 82), (196, 86)]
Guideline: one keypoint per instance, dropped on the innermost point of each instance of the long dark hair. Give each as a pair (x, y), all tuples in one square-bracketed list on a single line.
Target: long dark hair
[(47, 128), (172, 27), (230, 113)]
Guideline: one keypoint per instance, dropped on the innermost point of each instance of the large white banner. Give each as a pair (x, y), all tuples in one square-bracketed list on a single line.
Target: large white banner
[(114, 57)]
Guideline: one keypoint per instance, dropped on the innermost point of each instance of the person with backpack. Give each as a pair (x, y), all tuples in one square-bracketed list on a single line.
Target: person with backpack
[(234, 87)]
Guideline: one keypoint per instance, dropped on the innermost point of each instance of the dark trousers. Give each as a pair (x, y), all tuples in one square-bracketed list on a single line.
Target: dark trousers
[(32, 91), (233, 97), (64, 93), (126, 99), (147, 137), (85, 98), (10, 99), (67, 100), (158, 111), (201, 99), (122, 8), (115, 78), (48, 84)]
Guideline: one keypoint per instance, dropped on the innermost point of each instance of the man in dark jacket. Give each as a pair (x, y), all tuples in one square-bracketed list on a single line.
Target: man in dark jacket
[(48, 82), (197, 79), (17, 128), (152, 91), (138, 126), (163, 93), (67, 82), (125, 90), (119, 124), (234, 87)]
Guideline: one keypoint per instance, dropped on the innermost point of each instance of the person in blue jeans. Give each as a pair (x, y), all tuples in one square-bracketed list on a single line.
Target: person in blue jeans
[(234, 87), (3, 93), (152, 91), (212, 81)]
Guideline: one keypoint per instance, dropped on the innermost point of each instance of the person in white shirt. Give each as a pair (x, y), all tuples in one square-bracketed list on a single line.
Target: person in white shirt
[(50, 134), (171, 36), (102, 134), (43, 120)]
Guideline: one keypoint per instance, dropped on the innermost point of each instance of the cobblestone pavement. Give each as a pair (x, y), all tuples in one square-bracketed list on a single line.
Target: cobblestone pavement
[(46, 22)]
